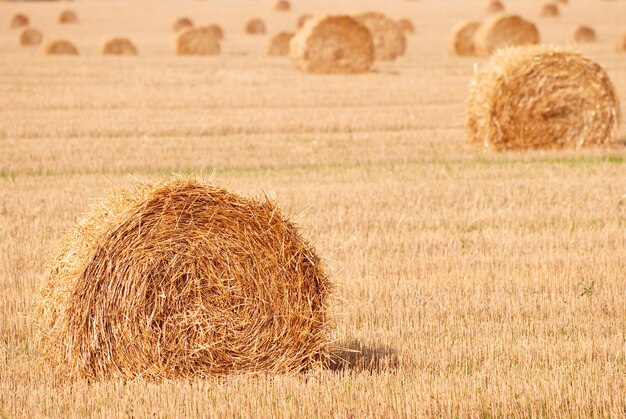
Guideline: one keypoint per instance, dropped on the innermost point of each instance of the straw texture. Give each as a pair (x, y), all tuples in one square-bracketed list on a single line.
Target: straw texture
[(540, 97), (279, 44), (198, 41), (332, 44), (59, 47), (182, 279), (18, 21), (68, 16), (118, 46), (30, 36), (389, 39), (255, 27), (504, 31), (461, 41), (583, 34), (182, 23)]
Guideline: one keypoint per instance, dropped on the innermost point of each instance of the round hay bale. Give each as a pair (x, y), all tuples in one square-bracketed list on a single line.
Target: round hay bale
[(550, 10), (68, 16), (30, 37), (495, 6), (584, 34), (389, 39), (332, 44), (279, 44), (198, 41), (255, 27), (59, 47), (302, 20), (217, 31), (19, 21), (504, 31), (539, 97), (118, 46), (183, 279), (182, 23), (282, 6), (621, 43), (461, 41), (406, 25), (562, 1)]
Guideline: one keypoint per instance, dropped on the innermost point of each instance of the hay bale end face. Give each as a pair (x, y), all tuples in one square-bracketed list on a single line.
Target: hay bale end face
[(621, 43), (538, 97), (118, 46), (19, 21), (59, 47), (583, 34), (255, 27), (183, 279), (495, 6), (550, 10), (282, 6), (68, 17), (461, 41), (182, 23), (302, 20), (504, 31), (198, 41), (30, 37), (389, 39), (332, 44), (279, 44), (407, 26)]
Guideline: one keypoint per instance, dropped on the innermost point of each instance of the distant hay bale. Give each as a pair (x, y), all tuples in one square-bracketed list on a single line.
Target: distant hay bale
[(181, 279), (302, 20), (584, 34), (19, 21), (217, 31), (282, 6), (621, 43), (182, 23), (198, 41), (389, 39), (59, 47), (406, 25), (539, 97), (550, 10), (332, 44), (30, 36), (118, 46), (562, 1), (279, 44), (461, 41), (504, 31), (495, 6), (68, 16), (255, 27)]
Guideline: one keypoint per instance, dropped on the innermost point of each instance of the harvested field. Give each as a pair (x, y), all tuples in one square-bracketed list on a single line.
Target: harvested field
[(469, 283)]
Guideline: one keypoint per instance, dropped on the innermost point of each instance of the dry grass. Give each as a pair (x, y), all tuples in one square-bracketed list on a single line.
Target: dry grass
[(475, 283)]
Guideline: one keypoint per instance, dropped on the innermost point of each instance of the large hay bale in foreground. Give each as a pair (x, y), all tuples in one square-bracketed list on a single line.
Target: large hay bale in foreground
[(389, 39), (198, 41), (621, 43), (539, 97), (282, 6), (182, 23), (118, 46), (255, 27), (302, 20), (461, 41), (30, 37), (495, 6), (550, 10), (182, 279), (332, 44), (406, 25), (504, 31), (68, 16), (59, 47), (19, 21), (279, 44), (584, 34)]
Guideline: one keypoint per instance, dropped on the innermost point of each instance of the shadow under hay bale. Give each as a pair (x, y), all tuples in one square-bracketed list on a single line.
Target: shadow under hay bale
[(550, 10), (540, 97), (407, 26), (494, 6), (59, 47), (279, 44), (118, 46), (198, 41), (584, 34), (183, 279), (68, 17), (255, 27), (389, 39), (332, 44), (358, 357), (504, 31), (30, 37), (182, 23), (461, 41), (19, 21), (282, 6)]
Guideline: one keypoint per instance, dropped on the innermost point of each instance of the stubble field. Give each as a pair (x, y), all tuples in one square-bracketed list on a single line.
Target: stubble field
[(469, 283)]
